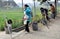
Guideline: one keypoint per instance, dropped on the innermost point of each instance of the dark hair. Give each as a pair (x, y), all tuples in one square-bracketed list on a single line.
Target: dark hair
[(51, 5), (41, 8), (26, 5), (9, 21), (44, 0)]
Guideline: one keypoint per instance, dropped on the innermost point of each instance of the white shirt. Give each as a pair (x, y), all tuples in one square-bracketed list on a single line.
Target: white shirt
[(25, 17), (45, 5), (9, 25)]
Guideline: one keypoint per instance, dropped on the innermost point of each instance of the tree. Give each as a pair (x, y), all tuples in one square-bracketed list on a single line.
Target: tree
[(34, 8), (42, 0), (56, 6), (22, 5), (35, 5)]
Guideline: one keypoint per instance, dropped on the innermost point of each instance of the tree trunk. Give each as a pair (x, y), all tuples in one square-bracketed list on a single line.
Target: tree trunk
[(56, 6), (22, 5), (34, 8)]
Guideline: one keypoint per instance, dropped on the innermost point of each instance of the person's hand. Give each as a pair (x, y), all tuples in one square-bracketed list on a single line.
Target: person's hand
[(25, 18)]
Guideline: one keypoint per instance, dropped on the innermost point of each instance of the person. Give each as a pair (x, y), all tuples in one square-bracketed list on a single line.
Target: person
[(43, 21), (27, 17), (42, 11), (8, 26), (53, 15), (45, 9)]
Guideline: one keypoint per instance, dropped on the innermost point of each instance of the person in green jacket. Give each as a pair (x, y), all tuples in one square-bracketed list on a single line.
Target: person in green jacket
[(27, 11)]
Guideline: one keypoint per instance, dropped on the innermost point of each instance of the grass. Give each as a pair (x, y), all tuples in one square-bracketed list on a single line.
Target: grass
[(15, 14)]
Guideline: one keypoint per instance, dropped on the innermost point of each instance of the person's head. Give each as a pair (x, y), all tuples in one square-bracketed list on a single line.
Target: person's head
[(9, 21), (41, 8), (26, 5), (51, 5)]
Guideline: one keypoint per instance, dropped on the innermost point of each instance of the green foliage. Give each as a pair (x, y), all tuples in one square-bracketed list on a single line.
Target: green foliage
[(14, 14), (37, 17), (17, 23), (2, 27)]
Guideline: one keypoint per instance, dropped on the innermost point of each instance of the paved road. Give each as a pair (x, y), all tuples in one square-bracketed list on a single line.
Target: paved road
[(43, 33)]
